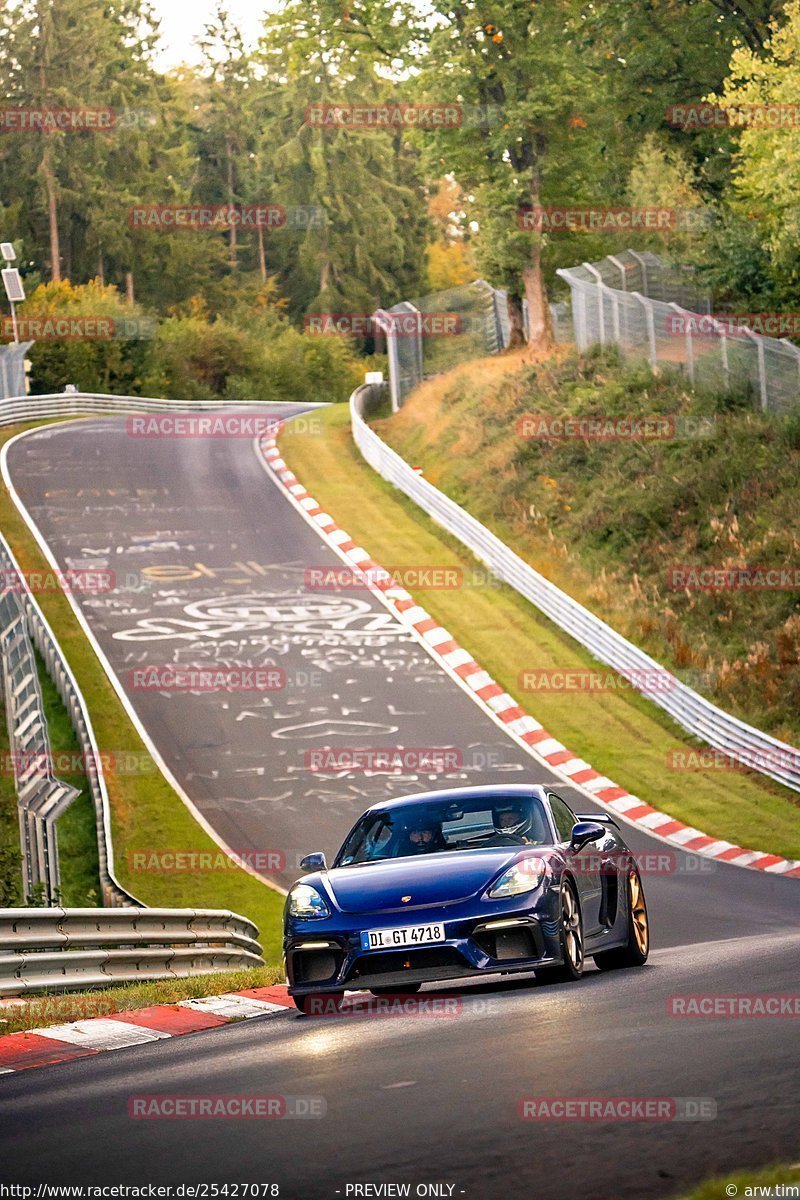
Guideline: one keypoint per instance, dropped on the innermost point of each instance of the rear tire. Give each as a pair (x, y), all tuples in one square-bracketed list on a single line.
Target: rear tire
[(319, 1004), (634, 953), (571, 936)]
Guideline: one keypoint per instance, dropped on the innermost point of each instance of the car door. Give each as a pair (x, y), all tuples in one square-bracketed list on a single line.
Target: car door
[(585, 865)]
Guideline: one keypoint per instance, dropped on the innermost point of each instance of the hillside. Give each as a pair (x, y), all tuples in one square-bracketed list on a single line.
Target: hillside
[(616, 522)]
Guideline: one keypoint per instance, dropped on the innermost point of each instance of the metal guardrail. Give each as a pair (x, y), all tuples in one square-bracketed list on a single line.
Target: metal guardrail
[(43, 638), (81, 404), (67, 948), (693, 712), (42, 798)]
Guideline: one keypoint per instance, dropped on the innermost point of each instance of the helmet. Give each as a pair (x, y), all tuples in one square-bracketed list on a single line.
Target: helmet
[(512, 817)]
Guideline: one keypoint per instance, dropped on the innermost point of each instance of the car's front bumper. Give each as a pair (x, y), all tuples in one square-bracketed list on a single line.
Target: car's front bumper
[(326, 955)]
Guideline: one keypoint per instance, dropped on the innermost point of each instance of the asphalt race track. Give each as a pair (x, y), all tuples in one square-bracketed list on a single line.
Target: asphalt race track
[(210, 563)]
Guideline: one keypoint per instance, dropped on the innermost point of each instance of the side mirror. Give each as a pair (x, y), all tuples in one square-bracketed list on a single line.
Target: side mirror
[(584, 832), (314, 862)]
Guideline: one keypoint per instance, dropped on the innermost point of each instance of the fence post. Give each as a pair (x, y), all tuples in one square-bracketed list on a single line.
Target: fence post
[(688, 340), (592, 269), (614, 311), (651, 327), (724, 353), (791, 346), (643, 266), (390, 334), (612, 258), (762, 368)]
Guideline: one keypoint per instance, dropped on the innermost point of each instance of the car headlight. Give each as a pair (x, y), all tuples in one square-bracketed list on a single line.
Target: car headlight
[(307, 903), (522, 877)]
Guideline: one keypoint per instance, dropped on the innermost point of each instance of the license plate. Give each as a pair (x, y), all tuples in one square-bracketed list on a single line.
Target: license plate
[(411, 935)]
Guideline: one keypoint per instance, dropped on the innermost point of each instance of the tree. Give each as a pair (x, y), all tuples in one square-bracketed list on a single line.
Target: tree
[(766, 178), (365, 243), (227, 133), (76, 55)]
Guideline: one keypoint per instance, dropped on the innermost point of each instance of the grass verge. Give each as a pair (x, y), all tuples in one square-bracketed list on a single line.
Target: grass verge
[(10, 854), (57, 1008), (650, 532), (747, 1183), (622, 735), (146, 813)]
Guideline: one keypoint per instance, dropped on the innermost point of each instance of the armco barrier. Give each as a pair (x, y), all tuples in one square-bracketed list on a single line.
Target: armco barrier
[(693, 712), (82, 404), (67, 948), (42, 798), (43, 638)]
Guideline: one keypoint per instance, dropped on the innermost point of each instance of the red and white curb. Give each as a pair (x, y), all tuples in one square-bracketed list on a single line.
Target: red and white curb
[(94, 1035), (503, 708)]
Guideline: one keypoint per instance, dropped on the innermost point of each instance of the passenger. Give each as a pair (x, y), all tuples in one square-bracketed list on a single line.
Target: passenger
[(513, 820)]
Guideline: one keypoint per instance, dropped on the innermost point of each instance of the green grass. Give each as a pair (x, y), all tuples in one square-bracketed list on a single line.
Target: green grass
[(56, 1008), (624, 736), (607, 520), (76, 830), (146, 813), (769, 1177), (10, 855)]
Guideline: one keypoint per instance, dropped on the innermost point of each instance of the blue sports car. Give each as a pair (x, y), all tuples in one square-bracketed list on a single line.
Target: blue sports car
[(457, 884)]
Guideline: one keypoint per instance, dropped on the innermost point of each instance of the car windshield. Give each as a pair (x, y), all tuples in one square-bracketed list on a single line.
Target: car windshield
[(432, 828)]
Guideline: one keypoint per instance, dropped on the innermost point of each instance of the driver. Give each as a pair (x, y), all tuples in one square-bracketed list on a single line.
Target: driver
[(513, 819), (425, 837)]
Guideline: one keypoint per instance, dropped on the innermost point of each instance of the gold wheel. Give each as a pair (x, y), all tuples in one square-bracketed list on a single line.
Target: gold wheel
[(641, 926)]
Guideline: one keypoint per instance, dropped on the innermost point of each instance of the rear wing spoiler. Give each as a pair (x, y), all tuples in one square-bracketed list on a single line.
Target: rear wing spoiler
[(607, 820)]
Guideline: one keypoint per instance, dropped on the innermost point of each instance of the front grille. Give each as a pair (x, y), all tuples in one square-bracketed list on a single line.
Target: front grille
[(407, 960)]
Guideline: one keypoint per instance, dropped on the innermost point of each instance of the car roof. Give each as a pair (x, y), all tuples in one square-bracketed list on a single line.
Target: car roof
[(492, 792)]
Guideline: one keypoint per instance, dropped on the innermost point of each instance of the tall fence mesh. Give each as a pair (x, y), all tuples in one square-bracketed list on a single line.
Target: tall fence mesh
[(657, 313), (432, 334), (651, 309)]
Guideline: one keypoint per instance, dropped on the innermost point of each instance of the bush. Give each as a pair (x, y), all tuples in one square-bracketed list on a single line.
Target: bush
[(252, 354), (197, 359), (113, 363)]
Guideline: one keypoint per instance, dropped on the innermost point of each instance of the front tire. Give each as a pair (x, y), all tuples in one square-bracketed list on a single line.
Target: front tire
[(637, 948), (319, 1004), (571, 935)]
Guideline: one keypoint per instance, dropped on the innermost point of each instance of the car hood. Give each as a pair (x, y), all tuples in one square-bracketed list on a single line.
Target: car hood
[(427, 879)]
